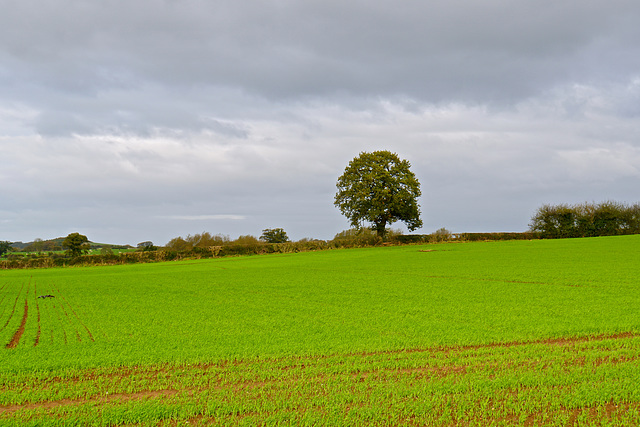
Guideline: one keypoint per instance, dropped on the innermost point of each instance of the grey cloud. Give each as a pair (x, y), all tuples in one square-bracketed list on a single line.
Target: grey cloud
[(205, 217), (145, 111), (430, 50), (135, 67), (142, 120)]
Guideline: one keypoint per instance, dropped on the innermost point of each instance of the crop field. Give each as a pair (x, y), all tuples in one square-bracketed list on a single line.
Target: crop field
[(489, 333)]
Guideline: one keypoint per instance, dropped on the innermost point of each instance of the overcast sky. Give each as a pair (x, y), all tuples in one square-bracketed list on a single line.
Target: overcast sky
[(150, 119)]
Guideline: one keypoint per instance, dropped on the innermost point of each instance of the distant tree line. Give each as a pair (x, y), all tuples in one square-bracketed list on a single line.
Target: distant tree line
[(586, 220), (550, 221), (72, 246), (443, 235), (208, 240), (207, 245), (38, 245)]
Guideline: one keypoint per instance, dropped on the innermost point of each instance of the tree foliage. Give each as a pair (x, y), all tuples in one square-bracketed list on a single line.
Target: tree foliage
[(201, 240), (379, 188), (106, 250), (274, 235), (5, 246), (441, 235), (246, 240), (586, 220), (76, 244), (39, 245)]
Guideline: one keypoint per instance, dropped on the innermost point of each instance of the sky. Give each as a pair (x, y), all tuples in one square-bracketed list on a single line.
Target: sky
[(131, 121)]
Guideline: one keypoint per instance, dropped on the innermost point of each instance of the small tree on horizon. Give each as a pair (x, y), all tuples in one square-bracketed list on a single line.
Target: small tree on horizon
[(441, 235), (76, 244), (274, 235), (106, 250)]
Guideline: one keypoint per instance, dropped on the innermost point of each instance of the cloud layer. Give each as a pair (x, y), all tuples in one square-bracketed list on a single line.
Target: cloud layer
[(132, 121)]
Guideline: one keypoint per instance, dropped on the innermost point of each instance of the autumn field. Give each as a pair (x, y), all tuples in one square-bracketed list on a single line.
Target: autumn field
[(542, 332)]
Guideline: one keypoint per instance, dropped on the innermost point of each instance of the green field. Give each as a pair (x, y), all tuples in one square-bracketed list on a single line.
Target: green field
[(540, 332)]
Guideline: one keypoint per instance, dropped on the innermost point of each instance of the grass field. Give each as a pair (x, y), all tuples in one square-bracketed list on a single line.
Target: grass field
[(497, 333)]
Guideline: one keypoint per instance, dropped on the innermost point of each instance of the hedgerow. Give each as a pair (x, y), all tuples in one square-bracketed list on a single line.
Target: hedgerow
[(586, 220)]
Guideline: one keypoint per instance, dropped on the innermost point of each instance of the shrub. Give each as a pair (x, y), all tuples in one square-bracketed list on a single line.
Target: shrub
[(586, 220), (274, 235), (440, 235), (354, 237), (474, 237), (412, 238)]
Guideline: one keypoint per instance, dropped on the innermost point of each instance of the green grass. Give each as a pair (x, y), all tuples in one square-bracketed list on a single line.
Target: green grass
[(519, 332)]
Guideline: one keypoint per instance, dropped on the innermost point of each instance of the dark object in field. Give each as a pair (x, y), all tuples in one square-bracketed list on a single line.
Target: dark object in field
[(46, 296)]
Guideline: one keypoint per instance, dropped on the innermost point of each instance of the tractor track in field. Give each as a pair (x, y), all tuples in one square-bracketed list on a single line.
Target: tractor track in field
[(75, 315), (37, 340), (35, 293), (302, 363), (15, 303), (60, 322), (561, 341), (2, 305), (611, 411), (242, 379), (522, 282), (15, 340), (3, 296), (68, 318), (18, 334), (480, 279), (102, 399)]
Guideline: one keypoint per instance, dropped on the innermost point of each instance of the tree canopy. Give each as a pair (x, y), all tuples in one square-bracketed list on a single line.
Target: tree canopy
[(274, 235), (5, 246), (379, 188), (76, 244)]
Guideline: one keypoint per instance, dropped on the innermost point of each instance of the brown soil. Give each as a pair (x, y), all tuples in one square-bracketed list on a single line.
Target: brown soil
[(299, 362), (611, 410), (152, 372), (16, 337), (547, 341), (118, 397)]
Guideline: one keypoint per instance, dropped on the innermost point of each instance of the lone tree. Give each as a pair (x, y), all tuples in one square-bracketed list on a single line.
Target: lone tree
[(380, 189), (274, 235), (76, 244)]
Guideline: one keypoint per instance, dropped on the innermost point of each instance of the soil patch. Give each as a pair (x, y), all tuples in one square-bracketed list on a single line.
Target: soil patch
[(118, 397), (16, 337)]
